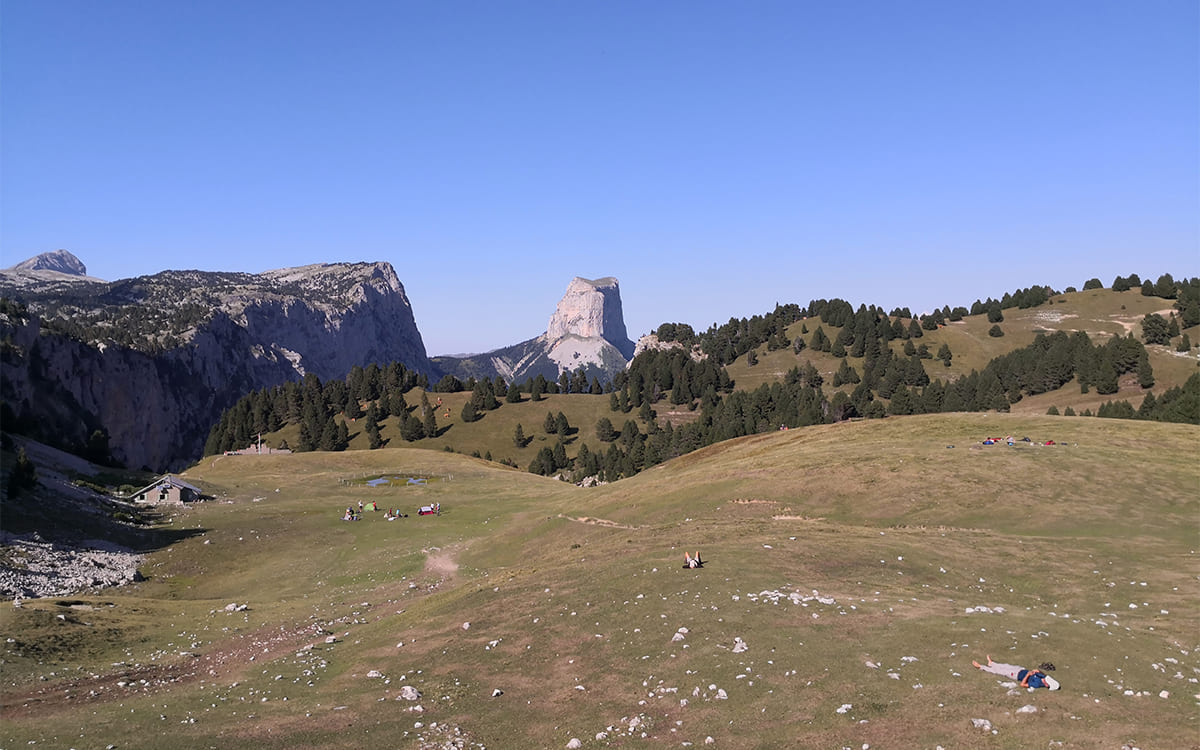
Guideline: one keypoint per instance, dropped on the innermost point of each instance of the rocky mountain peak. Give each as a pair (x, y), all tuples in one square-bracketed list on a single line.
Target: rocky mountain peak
[(591, 309), (60, 261)]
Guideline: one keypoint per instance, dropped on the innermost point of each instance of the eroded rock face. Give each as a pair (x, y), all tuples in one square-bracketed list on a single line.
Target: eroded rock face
[(592, 309), (241, 332)]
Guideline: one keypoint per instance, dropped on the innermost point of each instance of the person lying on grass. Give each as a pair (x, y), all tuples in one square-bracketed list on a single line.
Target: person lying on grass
[(1029, 678)]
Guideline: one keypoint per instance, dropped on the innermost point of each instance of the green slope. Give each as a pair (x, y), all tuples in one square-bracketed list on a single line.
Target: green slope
[(863, 564)]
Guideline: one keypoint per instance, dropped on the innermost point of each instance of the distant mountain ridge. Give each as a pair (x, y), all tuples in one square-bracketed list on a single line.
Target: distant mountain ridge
[(154, 360), (586, 330)]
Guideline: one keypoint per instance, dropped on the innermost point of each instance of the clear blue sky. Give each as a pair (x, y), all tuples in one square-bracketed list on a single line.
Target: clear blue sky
[(717, 158)]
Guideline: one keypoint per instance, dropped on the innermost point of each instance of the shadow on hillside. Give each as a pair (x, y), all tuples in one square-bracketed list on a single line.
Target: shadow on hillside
[(91, 524)]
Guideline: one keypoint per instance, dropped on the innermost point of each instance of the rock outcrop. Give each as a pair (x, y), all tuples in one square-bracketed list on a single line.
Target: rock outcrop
[(591, 310), (586, 330), (58, 261), (153, 361)]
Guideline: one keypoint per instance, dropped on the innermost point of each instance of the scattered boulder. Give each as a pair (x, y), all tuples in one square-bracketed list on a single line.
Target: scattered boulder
[(410, 693), (982, 725), (574, 744)]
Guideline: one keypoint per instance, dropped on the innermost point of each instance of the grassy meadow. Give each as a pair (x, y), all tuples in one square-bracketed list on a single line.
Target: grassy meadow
[(853, 572)]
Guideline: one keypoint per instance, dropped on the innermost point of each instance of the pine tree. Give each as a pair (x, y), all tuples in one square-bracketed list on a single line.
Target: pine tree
[(548, 424), (944, 354), (371, 428), (1185, 344), (329, 436), (1155, 329), (353, 410), (820, 342), (1053, 411), (411, 428), (995, 332), (604, 430), (469, 414), (1145, 372), (519, 436), (561, 426), (430, 424)]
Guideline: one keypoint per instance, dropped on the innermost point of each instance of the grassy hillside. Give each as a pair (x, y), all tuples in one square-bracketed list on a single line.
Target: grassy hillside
[(862, 565), (1102, 313)]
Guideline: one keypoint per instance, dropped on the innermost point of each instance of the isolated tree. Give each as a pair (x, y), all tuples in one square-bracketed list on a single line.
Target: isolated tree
[(1068, 412), (548, 424), (1185, 344), (798, 345), (1094, 284), (468, 412), (561, 425), (995, 332), (519, 436), (751, 358), (1155, 329), (1053, 411), (605, 431)]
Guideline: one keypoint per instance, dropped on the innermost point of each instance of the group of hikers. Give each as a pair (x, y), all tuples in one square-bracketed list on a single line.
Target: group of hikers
[(391, 514)]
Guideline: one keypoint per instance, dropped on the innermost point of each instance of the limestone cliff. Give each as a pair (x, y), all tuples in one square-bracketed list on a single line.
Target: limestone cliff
[(586, 330), (154, 360)]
